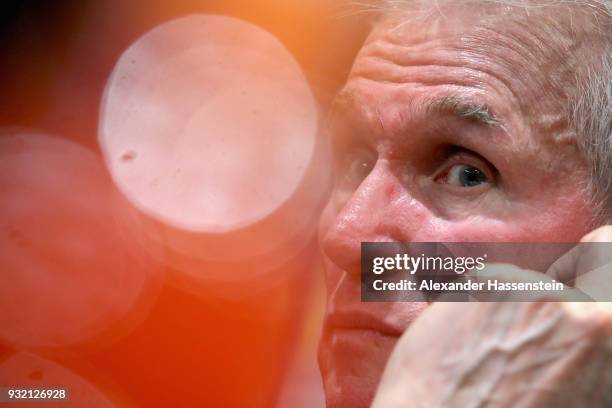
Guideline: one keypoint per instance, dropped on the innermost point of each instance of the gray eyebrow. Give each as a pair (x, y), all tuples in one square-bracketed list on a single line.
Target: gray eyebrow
[(466, 109)]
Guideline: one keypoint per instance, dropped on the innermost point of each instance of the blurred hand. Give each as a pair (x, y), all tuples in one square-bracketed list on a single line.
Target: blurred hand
[(530, 354), (588, 265)]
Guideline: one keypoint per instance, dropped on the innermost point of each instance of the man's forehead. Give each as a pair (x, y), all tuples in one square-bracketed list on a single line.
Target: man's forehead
[(529, 55), (453, 16), (543, 37)]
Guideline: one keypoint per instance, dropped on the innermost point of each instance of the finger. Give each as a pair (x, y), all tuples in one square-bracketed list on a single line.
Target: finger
[(601, 234), (588, 265)]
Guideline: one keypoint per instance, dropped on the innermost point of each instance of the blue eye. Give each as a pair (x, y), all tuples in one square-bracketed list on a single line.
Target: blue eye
[(463, 175)]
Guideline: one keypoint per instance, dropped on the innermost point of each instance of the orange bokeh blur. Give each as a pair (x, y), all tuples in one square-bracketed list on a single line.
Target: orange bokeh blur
[(232, 303)]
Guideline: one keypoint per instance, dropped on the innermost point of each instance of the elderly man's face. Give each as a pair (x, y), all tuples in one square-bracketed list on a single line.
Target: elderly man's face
[(450, 129)]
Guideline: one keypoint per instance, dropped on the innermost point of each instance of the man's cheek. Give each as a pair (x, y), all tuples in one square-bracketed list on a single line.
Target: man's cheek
[(474, 229), (565, 219), (525, 226)]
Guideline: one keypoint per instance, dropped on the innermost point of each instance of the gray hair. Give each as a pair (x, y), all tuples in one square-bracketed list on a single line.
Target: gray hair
[(590, 111), (592, 119)]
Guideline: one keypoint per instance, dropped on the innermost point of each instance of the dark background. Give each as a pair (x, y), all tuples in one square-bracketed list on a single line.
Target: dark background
[(57, 55)]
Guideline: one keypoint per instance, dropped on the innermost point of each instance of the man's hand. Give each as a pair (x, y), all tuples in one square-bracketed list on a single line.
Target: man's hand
[(589, 265), (537, 354)]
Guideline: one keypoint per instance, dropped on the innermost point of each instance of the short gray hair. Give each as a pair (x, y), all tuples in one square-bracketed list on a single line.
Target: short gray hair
[(590, 110), (592, 120)]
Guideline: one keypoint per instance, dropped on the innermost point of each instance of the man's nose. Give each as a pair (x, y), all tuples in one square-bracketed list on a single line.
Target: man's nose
[(365, 217)]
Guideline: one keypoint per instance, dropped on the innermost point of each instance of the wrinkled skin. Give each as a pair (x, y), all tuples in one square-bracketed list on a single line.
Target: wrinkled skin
[(530, 355), (539, 354), (399, 162)]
